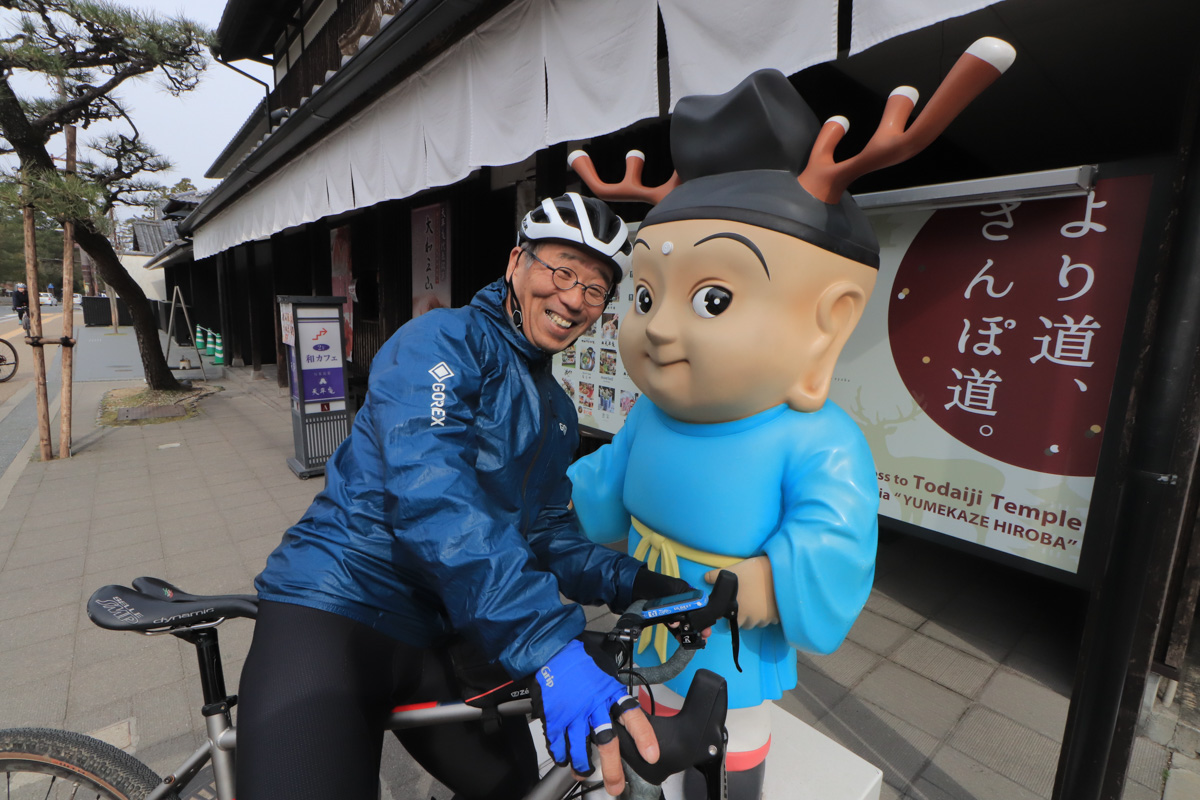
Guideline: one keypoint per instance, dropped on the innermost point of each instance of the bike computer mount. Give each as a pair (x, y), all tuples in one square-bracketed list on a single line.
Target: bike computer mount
[(687, 615)]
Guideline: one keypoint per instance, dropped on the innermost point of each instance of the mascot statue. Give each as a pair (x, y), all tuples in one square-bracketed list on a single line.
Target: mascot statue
[(751, 271)]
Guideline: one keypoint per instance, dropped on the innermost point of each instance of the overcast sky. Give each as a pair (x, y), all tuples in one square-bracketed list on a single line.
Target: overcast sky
[(193, 129)]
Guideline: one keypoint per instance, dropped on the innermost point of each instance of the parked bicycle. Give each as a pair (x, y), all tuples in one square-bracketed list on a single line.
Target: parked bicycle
[(44, 763), (8, 360)]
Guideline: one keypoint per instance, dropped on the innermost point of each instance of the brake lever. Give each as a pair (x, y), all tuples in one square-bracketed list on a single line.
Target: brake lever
[(733, 633)]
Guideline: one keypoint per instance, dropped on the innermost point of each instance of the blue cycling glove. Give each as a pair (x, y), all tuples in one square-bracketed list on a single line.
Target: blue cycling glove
[(575, 696)]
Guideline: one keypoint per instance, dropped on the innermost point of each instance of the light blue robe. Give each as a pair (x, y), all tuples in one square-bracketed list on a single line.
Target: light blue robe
[(797, 487)]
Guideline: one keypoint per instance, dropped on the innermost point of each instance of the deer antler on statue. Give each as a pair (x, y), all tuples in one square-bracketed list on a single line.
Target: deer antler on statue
[(975, 70), (630, 189)]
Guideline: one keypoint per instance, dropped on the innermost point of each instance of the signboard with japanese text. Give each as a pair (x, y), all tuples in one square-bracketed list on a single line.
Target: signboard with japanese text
[(430, 258), (319, 355), (342, 280), (982, 370), (591, 373)]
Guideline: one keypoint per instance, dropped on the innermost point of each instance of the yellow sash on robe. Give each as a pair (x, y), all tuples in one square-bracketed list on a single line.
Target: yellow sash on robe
[(662, 555)]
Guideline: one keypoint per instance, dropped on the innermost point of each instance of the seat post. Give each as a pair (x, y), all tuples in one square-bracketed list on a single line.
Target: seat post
[(208, 655)]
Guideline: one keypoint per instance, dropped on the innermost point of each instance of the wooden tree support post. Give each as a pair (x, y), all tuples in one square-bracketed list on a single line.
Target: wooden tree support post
[(68, 320), (35, 333)]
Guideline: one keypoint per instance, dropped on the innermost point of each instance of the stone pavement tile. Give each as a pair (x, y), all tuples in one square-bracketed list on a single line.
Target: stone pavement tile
[(955, 776), (191, 535), (41, 703), (1148, 763), (122, 537), (847, 665), (27, 555), (105, 682), (117, 504), (33, 663), (234, 474), (163, 713), (1053, 668), (240, 496), (1018, 753), (1135, 791), (889, 792), (185, 506), (877, 633), (897, 748), (208, 558), (94, 645), (136, 513), (884, 605), (46, 517), (951, 668), (98, 717), (38, 626), (914, 698), (813, 698), (1182, 785), (104, 561), (264, 514), (71, 537), (966, 640), (39, 574), (303, 492), (1027, 702), (254, 551), (999, 616), (20, 602)]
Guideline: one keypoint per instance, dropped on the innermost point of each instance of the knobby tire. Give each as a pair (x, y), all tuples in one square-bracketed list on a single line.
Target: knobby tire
[(42, 763)]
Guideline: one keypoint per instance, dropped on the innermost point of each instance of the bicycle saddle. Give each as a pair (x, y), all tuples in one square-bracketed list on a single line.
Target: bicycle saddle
[(157, 605)]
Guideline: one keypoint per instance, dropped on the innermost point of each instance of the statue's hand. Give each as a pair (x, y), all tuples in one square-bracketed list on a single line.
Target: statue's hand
[(756, 592)]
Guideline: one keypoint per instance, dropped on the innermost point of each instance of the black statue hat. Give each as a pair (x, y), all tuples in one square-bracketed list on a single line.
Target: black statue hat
[(757, 154), (738, 156)]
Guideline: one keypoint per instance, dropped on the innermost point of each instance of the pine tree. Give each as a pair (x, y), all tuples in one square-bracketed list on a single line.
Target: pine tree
[(83, 52)]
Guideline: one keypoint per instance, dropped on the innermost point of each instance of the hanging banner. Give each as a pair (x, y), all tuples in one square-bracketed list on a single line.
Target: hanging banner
[(591, 372), (982, 370), (342, 269), (430, 258)]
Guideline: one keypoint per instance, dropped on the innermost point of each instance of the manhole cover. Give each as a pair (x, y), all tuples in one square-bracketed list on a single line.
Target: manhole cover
[(150, 412)]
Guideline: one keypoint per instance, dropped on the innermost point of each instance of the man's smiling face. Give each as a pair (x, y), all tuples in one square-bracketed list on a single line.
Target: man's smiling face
[(729, 319), (553, 318)]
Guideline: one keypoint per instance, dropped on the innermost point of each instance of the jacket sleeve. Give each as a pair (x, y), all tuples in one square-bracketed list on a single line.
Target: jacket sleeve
[(424, 397), (587, 573), (823, 553)]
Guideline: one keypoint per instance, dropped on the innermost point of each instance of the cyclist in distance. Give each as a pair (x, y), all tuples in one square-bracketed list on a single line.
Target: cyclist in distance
[(20, 303), (445, 528)]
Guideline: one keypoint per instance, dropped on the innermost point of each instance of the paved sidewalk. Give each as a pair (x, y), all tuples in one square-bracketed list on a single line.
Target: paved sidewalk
[(955, 680)]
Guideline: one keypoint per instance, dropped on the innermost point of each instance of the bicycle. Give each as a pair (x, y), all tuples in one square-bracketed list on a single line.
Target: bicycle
[(8, 360), (46, 763)]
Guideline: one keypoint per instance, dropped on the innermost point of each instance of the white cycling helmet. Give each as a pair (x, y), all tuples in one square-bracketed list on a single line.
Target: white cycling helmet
[(20, 286), (583, 221)]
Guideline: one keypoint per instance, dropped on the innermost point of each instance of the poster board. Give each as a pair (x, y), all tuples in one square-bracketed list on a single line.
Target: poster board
[(982, 370), (592, 374)]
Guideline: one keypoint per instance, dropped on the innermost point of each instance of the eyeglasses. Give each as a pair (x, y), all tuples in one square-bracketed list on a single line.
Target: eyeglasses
[(566, 279)]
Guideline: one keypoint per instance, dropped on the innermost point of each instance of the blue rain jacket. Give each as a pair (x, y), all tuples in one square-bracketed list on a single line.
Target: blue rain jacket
[(446, 509)]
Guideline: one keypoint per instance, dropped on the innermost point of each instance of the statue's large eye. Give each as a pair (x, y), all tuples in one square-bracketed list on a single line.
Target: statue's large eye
[(710, 301), (642, 300)]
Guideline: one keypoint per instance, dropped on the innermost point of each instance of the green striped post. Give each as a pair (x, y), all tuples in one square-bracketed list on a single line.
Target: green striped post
[(219, 357), (211, 346)]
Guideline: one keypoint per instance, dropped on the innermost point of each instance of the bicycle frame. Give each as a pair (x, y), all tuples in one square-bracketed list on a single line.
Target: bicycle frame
[(221, 741)]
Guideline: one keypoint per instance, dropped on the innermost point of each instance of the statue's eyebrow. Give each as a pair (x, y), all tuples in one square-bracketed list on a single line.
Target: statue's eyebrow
[(737, 237), (636, 242)]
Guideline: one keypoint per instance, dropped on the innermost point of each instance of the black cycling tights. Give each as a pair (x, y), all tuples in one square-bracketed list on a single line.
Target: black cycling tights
[(314, 695)]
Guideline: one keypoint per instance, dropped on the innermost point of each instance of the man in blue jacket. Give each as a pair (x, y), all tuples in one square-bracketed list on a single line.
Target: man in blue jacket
[(446, 518)]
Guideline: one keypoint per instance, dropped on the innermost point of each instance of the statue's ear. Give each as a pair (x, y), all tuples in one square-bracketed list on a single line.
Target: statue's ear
[(838, 310)]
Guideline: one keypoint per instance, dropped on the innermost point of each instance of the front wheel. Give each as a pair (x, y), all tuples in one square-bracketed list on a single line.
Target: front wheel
[(47, 764), (8, 360)]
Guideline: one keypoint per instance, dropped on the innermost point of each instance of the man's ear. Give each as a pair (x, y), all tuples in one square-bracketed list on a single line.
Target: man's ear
[(838, 311), (514, 257)]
